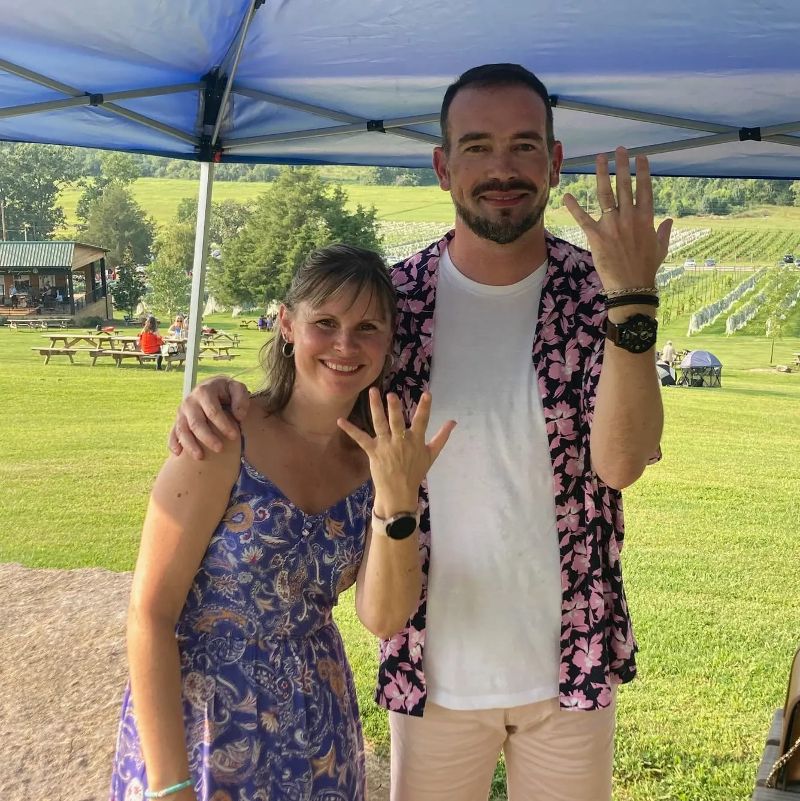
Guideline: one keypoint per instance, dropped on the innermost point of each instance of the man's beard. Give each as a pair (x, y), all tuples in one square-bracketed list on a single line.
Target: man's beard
[(505, 230)]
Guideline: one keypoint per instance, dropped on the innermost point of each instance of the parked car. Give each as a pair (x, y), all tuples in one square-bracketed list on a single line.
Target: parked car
[(788, 258), (710, 263), (690, 263)]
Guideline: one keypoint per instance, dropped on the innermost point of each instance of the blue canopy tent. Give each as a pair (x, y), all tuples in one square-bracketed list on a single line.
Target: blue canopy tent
[(706, 89)]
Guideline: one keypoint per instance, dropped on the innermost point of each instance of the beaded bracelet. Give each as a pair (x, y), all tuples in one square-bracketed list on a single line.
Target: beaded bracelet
[(636, 290), (175, 788), (632, 300)]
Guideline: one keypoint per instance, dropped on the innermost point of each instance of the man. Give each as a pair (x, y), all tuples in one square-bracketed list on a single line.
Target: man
[(522, 632)]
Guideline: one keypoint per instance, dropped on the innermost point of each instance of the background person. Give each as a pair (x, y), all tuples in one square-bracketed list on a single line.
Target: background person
[(522, 632), (177, 328), (150, 341), (239, 679), (668, 354)]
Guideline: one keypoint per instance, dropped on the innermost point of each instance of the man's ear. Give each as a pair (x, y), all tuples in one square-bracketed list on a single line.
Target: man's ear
[(440, 168), (556, 160)]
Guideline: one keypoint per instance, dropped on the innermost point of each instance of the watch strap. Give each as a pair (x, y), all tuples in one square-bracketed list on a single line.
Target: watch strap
[(380, 525), (632, 300)]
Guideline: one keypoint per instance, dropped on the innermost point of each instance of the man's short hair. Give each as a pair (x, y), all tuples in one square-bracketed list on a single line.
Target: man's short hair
[(489, 75)]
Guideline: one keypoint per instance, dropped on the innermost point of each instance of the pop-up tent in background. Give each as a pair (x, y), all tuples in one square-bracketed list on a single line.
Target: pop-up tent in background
[(700, 368)]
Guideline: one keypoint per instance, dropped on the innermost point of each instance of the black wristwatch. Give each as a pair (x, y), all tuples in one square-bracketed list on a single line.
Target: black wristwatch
[(397, 527), (637, 334)]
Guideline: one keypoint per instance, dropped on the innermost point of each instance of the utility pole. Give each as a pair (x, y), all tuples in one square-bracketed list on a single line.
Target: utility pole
[(3, 218)]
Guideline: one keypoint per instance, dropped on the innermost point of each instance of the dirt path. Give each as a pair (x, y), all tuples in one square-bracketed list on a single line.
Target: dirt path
[(62, 672)]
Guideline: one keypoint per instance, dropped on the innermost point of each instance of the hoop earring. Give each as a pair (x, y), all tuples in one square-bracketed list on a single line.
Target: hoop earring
[(287, 349)]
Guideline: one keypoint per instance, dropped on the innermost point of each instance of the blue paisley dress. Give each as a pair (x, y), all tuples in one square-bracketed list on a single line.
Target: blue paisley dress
[(269, 703)]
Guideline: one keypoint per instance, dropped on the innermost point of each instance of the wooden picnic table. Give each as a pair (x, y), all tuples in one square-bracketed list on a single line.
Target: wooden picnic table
[(48, 353), (43, 323), (211, 339), (121, 354), (94, 340), (219, 350), (124, 342)]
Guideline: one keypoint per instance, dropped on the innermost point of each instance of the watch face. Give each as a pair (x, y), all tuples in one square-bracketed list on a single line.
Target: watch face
[(401, 527), (638, 333)]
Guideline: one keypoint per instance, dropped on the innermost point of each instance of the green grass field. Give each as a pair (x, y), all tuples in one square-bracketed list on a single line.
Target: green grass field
[(710, 557)]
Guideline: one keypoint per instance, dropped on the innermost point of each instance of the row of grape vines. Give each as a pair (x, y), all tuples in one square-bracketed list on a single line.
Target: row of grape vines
[(742, 245)]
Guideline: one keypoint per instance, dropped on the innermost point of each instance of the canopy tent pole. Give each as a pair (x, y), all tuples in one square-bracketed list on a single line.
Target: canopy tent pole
[(198, 275), (215, 101)]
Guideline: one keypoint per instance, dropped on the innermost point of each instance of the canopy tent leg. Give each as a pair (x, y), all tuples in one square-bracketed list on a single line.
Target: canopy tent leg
[(198, 275)]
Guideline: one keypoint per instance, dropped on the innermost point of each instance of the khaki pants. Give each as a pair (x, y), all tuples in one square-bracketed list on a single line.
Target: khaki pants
[(551, 754)]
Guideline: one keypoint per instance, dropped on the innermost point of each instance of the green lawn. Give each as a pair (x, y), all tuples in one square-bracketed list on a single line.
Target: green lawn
[(710, 558)]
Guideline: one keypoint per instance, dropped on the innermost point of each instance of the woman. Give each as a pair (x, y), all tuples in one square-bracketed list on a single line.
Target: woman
[(250, 694), (177, 328), (150, 341)]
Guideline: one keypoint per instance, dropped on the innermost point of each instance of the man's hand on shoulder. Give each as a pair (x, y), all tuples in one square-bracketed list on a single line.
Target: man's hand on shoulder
[(221, 401)]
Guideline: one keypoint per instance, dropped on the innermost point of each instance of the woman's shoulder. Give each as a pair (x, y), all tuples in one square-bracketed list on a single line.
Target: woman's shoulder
[(258, 428)]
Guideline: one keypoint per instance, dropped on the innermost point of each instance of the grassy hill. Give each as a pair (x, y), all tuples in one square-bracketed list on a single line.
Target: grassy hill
[(159, 197)]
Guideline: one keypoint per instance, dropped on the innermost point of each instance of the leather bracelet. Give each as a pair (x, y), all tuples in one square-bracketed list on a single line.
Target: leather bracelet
[(632, 300), (634, 290)]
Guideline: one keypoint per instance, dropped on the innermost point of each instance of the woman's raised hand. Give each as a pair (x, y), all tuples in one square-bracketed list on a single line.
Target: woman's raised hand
[(399, 457)]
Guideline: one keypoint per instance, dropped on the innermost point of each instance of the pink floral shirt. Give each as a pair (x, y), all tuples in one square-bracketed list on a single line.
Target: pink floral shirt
[(597, 643)]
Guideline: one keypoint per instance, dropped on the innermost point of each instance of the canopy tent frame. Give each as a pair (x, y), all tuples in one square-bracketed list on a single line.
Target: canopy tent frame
[(398, 126)]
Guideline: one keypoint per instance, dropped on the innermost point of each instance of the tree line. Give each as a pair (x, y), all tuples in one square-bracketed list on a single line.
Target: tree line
[(256, 246), (681, 197)]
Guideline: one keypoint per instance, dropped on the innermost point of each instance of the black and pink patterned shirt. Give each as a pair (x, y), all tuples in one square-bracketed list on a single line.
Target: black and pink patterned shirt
[(597, 643)]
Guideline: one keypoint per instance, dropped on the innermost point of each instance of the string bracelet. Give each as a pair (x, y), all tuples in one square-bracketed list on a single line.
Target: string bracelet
[(632, 300), (175, 788), (635, 290)]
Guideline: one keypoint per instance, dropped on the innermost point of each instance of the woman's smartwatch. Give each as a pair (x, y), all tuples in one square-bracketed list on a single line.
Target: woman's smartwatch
[(397, 527)]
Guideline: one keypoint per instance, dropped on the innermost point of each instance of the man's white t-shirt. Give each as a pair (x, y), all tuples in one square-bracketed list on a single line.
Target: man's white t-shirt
[(494, 588)]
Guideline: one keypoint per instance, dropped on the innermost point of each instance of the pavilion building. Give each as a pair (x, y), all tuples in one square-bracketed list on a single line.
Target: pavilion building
[(41, 279)]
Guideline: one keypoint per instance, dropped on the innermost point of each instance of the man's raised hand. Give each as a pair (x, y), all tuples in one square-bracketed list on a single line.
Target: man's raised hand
[(626, 247)]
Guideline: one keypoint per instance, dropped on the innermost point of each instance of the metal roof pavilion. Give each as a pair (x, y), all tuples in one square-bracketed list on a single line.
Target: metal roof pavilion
[(47, 255)]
